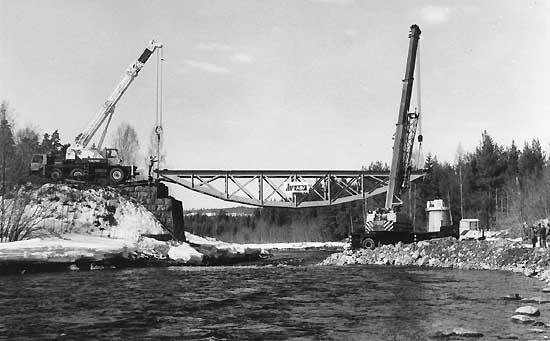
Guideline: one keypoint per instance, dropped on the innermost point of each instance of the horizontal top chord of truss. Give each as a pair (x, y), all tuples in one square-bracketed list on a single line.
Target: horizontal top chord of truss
[(277, 188)]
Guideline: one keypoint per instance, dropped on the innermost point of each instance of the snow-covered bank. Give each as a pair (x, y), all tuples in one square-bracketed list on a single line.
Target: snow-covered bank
[(76, 251), (92, 226), (491, 254)]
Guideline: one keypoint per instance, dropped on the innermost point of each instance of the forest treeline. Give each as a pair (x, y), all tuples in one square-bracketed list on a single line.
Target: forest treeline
[(500, 185)]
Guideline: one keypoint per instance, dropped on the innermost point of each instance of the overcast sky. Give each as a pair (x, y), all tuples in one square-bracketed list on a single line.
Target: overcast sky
[(312, 84)]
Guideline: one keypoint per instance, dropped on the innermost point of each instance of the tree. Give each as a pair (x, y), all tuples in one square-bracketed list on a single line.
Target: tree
[(532, 160), (378, 166), (52, 144), (127, 142), (7, 146), (488, 169), (26, 144)]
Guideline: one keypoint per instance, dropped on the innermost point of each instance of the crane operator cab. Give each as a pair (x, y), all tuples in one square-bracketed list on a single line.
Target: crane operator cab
[(38, 162), (113, 159)]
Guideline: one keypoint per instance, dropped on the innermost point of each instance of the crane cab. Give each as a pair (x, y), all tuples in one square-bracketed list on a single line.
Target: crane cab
[(38, 162), (112, 156)]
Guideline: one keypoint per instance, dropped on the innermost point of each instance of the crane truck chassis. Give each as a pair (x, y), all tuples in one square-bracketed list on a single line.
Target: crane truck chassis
[(89, 169)]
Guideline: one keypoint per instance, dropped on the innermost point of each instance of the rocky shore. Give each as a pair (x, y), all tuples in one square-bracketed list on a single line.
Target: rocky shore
[(498, 253)]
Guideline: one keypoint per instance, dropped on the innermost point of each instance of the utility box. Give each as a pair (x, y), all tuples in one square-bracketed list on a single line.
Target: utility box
[(438, 215), (470, 229)]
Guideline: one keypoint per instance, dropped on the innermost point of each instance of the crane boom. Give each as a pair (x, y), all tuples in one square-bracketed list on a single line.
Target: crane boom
[(406, 127), (108, 107)]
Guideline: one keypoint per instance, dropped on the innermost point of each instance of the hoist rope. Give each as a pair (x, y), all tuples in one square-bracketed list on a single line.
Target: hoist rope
[(420, 157), (158, 122)]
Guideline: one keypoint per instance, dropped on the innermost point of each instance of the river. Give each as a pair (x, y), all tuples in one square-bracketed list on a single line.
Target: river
[(290, 298)]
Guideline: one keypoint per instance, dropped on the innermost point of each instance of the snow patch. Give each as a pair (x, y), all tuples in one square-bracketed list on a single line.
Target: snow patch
[(186, 254)]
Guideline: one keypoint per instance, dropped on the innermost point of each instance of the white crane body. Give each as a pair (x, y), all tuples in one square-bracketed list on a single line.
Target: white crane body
[(89, 162)]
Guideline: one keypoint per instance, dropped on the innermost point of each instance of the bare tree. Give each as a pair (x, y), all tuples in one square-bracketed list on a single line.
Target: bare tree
[(127, 143), (21, 215)]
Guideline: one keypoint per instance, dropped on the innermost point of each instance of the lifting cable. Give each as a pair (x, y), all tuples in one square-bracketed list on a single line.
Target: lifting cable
[(420, 157), (158, 122)]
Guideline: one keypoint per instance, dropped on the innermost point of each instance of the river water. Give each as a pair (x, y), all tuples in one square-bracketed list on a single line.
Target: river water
[(290, 298)]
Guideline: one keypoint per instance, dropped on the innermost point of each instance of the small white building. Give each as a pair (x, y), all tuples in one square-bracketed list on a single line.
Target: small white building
[(438, 215)]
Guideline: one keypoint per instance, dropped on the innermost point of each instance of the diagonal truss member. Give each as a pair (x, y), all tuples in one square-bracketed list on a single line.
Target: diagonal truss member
[(265, 188)]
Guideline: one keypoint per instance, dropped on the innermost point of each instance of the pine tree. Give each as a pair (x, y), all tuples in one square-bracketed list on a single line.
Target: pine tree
[(7, 146)]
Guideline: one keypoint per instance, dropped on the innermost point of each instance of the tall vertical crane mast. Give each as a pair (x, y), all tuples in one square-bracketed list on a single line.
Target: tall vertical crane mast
[(106, 113), (385, 219), (406, 129)]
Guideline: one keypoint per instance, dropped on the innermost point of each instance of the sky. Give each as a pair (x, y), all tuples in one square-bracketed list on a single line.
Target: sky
[(296, 84)]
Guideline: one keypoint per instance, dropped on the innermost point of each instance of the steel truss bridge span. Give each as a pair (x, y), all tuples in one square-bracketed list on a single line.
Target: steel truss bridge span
[(268, 188)]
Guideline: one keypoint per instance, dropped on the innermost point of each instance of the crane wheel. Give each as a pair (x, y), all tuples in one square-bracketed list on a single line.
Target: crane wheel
[(56, 174), (78, 173), (368, 243), (116, 175)]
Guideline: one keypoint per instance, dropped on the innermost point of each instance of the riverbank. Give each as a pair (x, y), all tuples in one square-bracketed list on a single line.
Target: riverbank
[(87, 252), (498, 253)]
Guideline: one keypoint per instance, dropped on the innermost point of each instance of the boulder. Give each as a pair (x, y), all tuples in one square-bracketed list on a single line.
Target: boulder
[(523, 319), (537, 330), (529, 272), (546, 289), (541, 324), (528, 310), (457, 331), (512, 297), (536, 299)]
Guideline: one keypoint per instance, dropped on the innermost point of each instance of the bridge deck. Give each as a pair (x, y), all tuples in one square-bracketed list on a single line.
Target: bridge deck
[(268, 188)]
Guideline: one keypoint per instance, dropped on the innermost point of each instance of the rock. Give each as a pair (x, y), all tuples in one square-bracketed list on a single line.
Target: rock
[(537, 330), (458, 331), (512, 297), (96, 267), (524, 319), (73, 267), (545, 275), (466, 332), (528, 310), (546, 289), (536, 299), (541, 324), (422, 261), (507, 337), (529, 272)]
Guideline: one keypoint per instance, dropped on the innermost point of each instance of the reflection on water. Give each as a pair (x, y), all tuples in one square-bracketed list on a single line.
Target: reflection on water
[(304, 302)]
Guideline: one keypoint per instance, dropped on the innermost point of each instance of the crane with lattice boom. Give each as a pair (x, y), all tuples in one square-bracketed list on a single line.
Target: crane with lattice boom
[(83, 161), (386, 225)]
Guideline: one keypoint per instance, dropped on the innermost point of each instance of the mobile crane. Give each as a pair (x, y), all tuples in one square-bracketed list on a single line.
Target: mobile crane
[(387, 225), (91, 163)]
